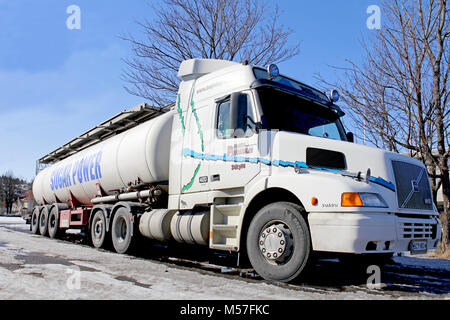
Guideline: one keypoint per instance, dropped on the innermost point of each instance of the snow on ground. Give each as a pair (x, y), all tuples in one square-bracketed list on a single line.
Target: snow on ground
[(35, 267), (12, 220)]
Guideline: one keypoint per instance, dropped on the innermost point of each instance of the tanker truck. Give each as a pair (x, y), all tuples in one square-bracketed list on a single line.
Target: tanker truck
[(247, 161)]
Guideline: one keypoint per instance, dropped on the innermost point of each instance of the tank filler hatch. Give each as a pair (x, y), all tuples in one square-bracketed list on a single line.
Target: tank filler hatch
[(121, 122)]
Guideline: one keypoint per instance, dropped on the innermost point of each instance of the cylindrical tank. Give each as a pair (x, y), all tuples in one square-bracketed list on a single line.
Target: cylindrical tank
[(191, 228), (155, 224), (139, 153)]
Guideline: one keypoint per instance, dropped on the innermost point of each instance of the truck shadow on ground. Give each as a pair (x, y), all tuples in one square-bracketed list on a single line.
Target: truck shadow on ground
[(393, 277), (324, 274)]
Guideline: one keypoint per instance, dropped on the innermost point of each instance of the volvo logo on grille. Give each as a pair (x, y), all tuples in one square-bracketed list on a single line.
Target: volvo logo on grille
[(414, 189)]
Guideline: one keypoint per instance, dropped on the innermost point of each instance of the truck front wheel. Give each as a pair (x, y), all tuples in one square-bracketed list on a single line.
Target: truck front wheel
[(279, 242)]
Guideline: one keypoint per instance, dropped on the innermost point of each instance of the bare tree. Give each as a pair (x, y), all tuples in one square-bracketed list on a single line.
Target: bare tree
[(399, 97), (9, 190), (212, 29)]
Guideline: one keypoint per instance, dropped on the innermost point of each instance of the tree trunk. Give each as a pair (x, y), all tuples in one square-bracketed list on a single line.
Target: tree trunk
[(444, 245)]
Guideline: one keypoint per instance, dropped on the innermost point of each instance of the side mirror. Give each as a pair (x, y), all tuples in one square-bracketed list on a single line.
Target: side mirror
[(238, 113), (350, 137)]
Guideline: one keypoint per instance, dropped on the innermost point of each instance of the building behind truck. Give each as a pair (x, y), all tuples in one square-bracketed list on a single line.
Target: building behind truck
[(25, 204), (246, 160)]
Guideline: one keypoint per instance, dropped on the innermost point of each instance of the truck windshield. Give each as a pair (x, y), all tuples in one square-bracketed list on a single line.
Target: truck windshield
[(287, 112)]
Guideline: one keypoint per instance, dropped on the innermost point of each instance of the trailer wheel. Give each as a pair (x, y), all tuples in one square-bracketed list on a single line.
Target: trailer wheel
[(98, 230), (43, 222), (35, 220), (122, 230), (53, 223), (279, 242)]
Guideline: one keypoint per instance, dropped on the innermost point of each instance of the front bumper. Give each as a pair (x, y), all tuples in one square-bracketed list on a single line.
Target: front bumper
[(370, 232)]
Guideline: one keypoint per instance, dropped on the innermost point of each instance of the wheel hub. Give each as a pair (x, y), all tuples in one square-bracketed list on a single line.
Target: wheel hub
[(274, 242), (121, 229), (98, 228), (52, 222)]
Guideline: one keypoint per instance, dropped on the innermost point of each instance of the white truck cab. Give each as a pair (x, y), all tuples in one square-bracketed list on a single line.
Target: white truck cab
[(249, 140)]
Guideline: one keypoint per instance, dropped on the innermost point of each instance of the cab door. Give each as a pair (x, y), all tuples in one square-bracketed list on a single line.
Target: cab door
[(194, 174), (234, 159)]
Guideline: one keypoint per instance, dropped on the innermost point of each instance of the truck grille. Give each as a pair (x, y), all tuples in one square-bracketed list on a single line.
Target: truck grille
[(417, 230), (413, 186)]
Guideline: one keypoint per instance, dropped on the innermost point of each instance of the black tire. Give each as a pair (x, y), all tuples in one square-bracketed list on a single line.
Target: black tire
[(122, 231), (279, 242), (34, 225), (54, 231), (43, 221), (98, 230)]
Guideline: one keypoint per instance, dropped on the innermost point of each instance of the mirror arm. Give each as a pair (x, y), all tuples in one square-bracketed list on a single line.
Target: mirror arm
[(258, 125)]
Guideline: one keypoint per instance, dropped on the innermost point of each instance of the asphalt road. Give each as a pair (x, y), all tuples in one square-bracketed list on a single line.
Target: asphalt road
[(36, 267)]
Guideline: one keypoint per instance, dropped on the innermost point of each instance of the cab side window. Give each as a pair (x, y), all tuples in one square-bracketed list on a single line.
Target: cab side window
[(223, 121), (245, 119)]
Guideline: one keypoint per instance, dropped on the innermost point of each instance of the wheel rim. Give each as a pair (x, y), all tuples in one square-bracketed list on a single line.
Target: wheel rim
[(43, 220), (52, 221), (276, 243), (98, 228), (34, 219), (121, 229)]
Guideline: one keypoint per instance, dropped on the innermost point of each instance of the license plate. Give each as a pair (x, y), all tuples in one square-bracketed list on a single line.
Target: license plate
[(418, 246)]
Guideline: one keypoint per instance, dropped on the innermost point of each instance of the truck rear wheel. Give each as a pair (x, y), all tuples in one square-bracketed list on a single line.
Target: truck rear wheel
[(53, 223), (43, 221), (98, 229), (35, 220), (122, 230), (279, 242)]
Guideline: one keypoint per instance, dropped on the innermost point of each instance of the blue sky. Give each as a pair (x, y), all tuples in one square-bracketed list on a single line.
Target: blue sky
[(56, 83)]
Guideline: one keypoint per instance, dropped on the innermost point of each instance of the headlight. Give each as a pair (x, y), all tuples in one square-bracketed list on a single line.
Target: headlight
[(362, 199)]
